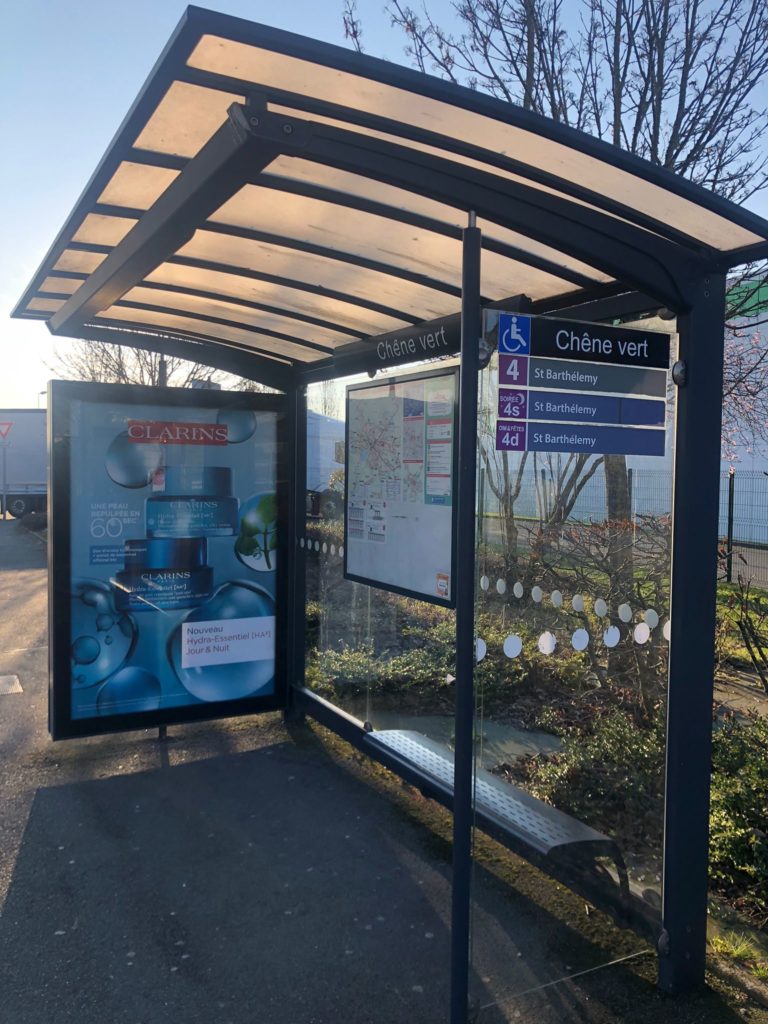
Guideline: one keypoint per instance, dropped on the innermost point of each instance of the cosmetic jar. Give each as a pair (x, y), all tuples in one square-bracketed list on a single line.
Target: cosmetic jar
[(197, 502), (164, 573)]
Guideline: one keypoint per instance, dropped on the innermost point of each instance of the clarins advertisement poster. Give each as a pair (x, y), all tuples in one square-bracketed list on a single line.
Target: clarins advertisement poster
[(166, 505)]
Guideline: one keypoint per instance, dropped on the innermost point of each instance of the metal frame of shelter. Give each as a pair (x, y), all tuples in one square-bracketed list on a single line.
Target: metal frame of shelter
[(270, 200)]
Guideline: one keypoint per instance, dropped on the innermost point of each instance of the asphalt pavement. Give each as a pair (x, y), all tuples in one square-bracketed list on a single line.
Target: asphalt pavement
[(244, 873)]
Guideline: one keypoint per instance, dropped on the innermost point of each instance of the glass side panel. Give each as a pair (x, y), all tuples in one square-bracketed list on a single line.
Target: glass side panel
[(573, 583), (385, 658)]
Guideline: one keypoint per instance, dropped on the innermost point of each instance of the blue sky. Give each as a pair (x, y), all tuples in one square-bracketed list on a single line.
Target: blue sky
[(69, 70)]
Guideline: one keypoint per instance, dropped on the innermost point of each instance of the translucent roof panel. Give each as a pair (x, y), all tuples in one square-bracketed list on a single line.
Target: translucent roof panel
[(282, 195), (270, 70), (218, 311), (358, 318), (190, 326)]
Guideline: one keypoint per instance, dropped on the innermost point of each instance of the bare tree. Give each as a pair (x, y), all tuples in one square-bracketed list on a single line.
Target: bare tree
[(120, 364), (674, 81)]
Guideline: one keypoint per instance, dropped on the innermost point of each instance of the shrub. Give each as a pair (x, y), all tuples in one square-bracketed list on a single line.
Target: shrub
[(738, 845)]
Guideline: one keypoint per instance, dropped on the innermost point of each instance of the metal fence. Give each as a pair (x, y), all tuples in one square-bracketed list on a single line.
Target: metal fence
[(743, 510)]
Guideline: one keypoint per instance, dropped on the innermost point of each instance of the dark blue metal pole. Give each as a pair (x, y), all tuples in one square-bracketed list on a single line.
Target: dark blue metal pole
[(464, 583), (297, 505), (691, 658)]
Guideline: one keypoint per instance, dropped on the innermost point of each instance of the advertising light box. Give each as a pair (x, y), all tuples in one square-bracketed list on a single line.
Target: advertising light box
[(400, 485), (167, 550)]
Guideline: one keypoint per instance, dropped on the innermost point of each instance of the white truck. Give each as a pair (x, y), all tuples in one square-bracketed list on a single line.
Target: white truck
[(23, 461)]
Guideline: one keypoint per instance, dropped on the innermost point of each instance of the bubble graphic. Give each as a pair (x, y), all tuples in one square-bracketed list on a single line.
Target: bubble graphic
[(333, 549), (580, 640), (611, 636), (556, 598), (301, 543), (236, 600), (537, 593), (341, 552), (642, 633), (484, 582), (85, 650), (325, 548), (547, 643), (256, 545), (102, 637), (578, 603), (130, 464), (518, 590), (501, 586), (129, 689), (513, 645), (481, 649), (667, 631), (651, 617), (625, 613), (601, 608), (240, 423)]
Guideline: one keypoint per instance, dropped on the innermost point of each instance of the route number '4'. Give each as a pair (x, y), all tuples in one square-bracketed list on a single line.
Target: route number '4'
[(513, 370)]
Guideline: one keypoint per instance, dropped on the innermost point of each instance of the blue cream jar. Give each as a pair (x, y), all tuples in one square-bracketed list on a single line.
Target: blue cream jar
[(197, 502), (164, 574)]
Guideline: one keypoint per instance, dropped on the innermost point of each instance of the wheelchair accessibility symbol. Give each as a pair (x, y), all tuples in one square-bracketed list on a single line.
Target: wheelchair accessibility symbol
[(514, 334)]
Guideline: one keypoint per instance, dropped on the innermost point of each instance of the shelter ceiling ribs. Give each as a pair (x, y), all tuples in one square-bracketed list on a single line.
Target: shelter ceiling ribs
[(283, 197)]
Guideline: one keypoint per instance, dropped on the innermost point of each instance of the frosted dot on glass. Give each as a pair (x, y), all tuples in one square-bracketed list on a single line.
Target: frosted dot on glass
[(642, 633), (317, 545), (537, 593), (333, 549), (556, 598), (580, 640), (601, 608), (481, 649), (341, 551), (484, 582), (625, 613), (547, 643), (325, 548), (611, 636), (651, 617), (301, 543), (513, 645), (501, 586), (667, 630), (518, 590), (578, 603)]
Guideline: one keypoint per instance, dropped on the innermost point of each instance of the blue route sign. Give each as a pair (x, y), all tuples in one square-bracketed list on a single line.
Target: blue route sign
[(570, 386), (584, 408), (558, 437)]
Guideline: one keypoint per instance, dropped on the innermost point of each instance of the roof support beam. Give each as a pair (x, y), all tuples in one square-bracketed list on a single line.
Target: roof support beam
[(210, 352), (645, 261), (207, 181)]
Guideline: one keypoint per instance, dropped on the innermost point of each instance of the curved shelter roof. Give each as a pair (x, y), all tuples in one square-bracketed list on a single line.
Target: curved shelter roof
[(281, 196)]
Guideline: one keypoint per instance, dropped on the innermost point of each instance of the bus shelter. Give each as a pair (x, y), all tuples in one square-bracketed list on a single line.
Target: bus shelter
[(296, 213)]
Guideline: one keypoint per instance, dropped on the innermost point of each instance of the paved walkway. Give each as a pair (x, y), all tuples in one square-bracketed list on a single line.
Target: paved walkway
[(240, 874)]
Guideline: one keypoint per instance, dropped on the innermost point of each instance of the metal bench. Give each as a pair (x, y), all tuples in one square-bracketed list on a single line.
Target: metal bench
[(561, 845)]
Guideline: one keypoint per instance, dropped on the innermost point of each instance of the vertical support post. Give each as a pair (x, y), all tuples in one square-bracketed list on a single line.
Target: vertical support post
[(464, 584), (4, 446), (729, 538), (696, 506), (296, 519), (162, 373)]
